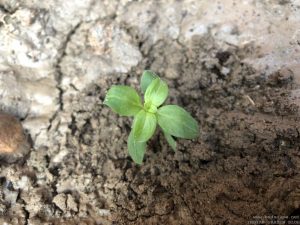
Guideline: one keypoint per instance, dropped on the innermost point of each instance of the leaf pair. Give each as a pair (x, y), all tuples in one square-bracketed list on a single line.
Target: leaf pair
[(173, 120)]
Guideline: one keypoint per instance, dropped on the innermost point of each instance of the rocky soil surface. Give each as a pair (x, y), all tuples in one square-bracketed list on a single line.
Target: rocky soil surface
[(234, 64)]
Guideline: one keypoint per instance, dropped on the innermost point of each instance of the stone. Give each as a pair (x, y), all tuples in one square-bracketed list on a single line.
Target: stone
[(13, 141)]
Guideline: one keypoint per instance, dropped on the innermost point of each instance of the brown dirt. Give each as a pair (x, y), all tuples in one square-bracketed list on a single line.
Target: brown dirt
[(244, 164), (246, 161)]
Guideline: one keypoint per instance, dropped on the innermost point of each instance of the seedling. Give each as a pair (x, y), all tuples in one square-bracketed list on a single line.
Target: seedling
[(172, 119)]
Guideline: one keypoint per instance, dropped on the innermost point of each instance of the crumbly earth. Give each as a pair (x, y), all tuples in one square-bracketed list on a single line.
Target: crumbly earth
[(243, 167)]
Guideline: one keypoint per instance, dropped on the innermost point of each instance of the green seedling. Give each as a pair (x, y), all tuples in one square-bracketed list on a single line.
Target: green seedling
[(172, 119)]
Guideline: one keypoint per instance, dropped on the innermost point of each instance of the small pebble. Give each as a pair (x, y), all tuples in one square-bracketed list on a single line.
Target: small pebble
[(60, 201), (13, 142), (225, 71)]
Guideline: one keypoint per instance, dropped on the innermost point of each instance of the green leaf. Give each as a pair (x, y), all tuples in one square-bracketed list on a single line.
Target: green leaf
[(147, 77), (144, 126), (156, 92), (136, 149), (123, 100), (170, 140), (177, 122)]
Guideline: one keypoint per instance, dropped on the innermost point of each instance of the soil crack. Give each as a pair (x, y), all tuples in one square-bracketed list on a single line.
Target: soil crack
[(59, 74)]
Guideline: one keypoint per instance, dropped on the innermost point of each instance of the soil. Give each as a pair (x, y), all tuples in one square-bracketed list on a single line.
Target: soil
[(245, 164)]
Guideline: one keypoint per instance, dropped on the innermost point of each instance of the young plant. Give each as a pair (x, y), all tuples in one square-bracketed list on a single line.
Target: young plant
[(173, 120)]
